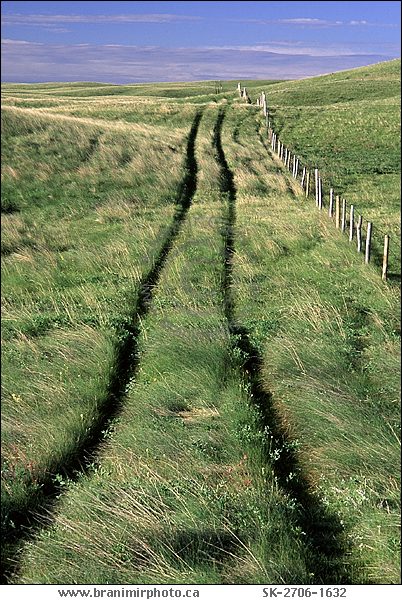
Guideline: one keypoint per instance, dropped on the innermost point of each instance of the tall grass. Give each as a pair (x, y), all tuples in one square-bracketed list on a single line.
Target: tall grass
[(257, 438), (86, 213), (328, 330), (192, 508)]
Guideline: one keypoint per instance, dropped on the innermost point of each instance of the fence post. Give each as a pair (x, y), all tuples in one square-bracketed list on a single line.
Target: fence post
[(343, 222), (288, 161), (316, 186), (319, 193), (331, 202), (337, 212), (303, 177), (359, 233), (295, 166), (351, 222), (385, 258), (368, 243), (307, 184)]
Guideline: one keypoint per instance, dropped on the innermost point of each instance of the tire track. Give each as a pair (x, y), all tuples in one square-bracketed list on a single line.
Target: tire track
[(325, 541), (23, 521)]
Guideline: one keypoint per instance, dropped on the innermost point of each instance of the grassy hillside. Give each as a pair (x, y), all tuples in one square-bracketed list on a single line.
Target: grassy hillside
[(348, 125), (162, 274)]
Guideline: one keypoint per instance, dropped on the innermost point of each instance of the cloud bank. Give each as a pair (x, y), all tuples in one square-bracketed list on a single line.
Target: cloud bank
[(25, 61)]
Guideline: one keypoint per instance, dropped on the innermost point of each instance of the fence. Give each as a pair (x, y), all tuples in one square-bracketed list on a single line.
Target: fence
[(347, 225)]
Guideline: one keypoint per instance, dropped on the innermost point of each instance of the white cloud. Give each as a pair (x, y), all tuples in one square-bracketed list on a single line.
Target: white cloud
[(45, 20), (313, 22), (296, 48)]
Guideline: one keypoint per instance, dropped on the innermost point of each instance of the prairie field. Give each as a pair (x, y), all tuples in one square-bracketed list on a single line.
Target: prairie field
[(200, 374)]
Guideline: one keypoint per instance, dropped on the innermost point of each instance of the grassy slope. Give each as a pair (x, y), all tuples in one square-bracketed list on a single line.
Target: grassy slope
[(348, 125), (288, 287)]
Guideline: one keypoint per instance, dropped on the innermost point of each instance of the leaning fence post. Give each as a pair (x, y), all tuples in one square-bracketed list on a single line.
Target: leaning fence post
[(351, 222), (337, 212), (385, 258), (343, 222), (359, 233), (331, 202), (368, 243)]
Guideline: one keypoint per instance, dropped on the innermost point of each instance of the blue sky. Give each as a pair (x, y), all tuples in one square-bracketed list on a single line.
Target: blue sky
[(126, 42)]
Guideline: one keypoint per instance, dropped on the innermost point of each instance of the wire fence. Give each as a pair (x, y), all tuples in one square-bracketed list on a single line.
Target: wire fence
[(371, 241)]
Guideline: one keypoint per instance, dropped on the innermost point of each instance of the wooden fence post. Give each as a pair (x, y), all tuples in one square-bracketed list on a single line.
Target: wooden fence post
[(368, 243), (343, 221), (385, 258), (319, 193), (359, 233), (337, 212), (351, 222), (316, 186), (303, 177), (331, 203), (288, 161), (307, 184), (297, 168)]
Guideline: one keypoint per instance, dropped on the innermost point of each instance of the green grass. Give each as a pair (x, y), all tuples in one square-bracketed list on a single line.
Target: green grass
[(347, 124), (179, 463), (328, 330), (74, 249), (254, 442)]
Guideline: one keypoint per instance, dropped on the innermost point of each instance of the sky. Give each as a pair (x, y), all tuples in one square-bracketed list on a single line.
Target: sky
[(132, 42)]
